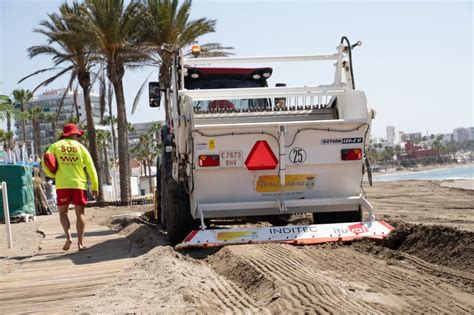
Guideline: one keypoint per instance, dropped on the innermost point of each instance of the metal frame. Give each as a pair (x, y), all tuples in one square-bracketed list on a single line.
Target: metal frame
[(6, 214), (231, 209), (257, 59), (264, 92), (338, 57)]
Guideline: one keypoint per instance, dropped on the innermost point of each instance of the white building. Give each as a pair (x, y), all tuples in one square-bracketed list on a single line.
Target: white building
[(461, 134), (390, 134), (470, 133)]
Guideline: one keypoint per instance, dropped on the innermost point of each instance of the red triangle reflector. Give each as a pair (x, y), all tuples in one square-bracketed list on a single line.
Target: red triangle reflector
[(261, 157)]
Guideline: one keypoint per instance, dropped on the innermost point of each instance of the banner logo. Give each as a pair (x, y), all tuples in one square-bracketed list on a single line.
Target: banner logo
[(299, 182)]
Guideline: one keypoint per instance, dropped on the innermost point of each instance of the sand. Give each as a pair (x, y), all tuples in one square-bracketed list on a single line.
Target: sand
[(465, 184), (426, 266)]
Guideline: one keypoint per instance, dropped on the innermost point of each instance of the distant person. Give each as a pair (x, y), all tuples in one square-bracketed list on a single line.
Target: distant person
[(65, 161)]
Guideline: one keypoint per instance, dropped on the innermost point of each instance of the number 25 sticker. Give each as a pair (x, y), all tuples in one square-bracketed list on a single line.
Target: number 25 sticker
[(297, 156)]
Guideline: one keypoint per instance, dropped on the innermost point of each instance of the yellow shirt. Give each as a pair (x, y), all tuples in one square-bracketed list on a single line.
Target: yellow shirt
[(72, 157)]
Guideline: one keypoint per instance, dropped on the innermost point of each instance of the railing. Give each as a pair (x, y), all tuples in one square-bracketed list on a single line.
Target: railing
[(273, 104), (245, 60), (6, 214)]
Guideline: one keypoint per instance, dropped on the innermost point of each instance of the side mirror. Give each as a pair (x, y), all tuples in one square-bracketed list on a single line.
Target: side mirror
[(154, 93)]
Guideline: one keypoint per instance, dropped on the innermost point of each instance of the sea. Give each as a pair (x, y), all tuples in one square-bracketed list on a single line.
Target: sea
[(461, 172)]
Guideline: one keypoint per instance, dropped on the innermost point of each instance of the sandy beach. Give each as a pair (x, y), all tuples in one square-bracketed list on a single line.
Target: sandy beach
[(465, 184), (426, 266), (421, 168)]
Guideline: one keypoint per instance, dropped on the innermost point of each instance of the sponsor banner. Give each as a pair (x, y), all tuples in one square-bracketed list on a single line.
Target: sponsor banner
[(303, 234), (342, 140), (297, 182), (231, 236)]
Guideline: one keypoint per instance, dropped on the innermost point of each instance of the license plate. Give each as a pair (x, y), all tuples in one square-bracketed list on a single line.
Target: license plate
[(231, 158)]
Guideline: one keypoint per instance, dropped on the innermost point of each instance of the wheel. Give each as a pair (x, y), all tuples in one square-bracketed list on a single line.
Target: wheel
[(279, 220), (179, 221), (162, 203), (337, 217)]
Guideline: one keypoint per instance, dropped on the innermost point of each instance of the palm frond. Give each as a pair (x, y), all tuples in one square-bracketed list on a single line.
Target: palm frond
[(48, 81), (68, 88), (140, 91), (35, 73)]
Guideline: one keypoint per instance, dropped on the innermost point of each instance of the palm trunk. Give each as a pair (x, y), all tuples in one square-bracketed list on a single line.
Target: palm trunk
[(23, 123), (53, 127), (37, 137), (9, 122), (165, 79), (85, 84), (106, 164), (114, 140), (122, 126), (150, 180)]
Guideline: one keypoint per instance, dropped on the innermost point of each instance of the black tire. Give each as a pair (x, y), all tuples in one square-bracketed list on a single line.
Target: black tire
[(279, 220), (179, 221), (162, 207), (157, 196), (165, 179), (337, 217), (165, 174)]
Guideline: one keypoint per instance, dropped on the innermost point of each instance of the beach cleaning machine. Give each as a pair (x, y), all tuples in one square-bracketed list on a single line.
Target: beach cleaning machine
[(234, 147)]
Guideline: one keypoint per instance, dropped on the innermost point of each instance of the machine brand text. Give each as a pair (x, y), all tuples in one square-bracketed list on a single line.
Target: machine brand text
[(342, 140)]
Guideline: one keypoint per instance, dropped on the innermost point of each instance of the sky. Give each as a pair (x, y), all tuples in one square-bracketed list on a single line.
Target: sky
[(415, 64)]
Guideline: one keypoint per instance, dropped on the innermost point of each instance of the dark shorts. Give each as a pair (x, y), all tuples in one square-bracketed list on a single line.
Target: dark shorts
[(77, 197)]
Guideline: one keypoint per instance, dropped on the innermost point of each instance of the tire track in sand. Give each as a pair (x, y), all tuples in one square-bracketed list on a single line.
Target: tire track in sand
[(421, 292), (332, 278), (298, 289), (230, 298), (335, 297)]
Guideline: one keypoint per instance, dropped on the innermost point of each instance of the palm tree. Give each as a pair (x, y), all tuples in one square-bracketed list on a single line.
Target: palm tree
[(36, 115), (111, 121), (51, 118), (103, 139), (21, 98), (3, 106), (155, 131), (168, 28), (113, 30), (74, 51), (7, 138), (7, 110), (2, 138), (146, 151)]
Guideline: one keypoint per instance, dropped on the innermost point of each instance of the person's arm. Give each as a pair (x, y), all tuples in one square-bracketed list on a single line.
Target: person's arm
[(90, 169), (46, 170)]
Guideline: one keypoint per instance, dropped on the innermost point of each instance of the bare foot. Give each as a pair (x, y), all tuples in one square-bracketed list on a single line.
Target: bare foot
[(81, 248), (67, 245)]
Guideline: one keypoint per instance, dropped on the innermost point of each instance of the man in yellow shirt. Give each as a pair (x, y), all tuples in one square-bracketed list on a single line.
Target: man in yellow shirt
[(69, 158)]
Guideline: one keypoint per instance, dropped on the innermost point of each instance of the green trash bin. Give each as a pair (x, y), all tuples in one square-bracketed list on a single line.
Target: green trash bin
[(21, 198)]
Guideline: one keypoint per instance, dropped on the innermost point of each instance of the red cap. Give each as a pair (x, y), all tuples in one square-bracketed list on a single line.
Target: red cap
[(72, 129)]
